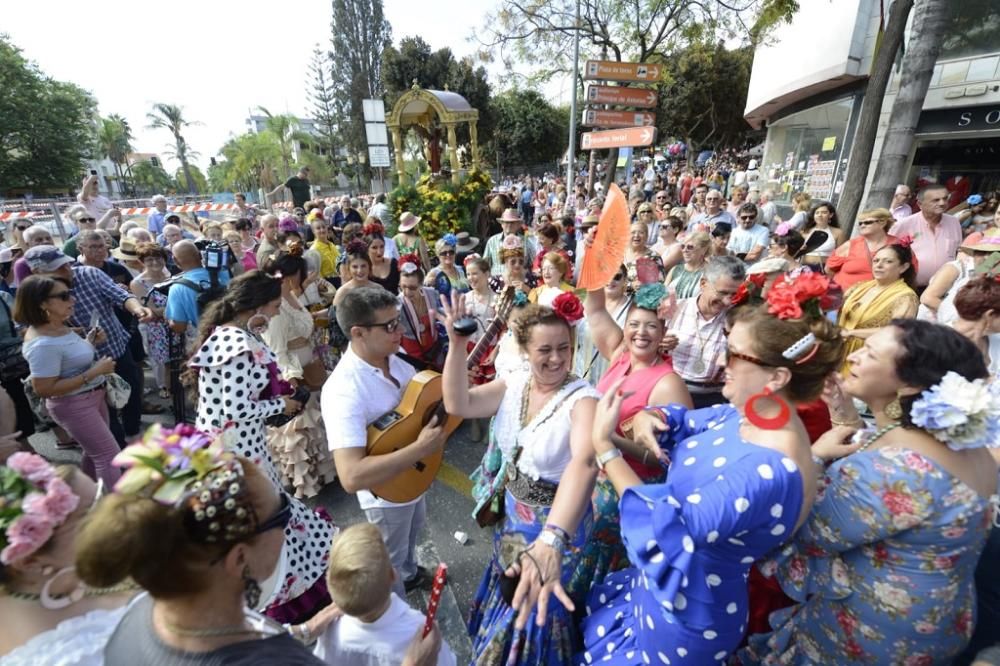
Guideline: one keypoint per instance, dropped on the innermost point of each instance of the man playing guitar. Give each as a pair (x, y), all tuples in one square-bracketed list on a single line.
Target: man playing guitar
[(367, 383)]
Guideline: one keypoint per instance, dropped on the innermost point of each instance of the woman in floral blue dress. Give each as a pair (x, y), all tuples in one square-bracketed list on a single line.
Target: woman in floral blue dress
[(741, 480), (883, 568)]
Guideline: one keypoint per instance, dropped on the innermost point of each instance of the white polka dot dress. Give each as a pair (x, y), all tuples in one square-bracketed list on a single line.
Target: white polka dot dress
[(232, 374), (726, 502)]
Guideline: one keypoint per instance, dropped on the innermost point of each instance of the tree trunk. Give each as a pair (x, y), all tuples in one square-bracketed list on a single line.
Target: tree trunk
[(187, 176), (929, 22), (871, 108), (609, 174)]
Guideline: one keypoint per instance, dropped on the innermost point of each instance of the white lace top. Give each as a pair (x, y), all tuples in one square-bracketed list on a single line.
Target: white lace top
[(545, 449), (78, 641)]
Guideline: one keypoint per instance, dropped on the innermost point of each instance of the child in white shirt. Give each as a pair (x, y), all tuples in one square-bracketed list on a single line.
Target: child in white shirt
[(377, 626)]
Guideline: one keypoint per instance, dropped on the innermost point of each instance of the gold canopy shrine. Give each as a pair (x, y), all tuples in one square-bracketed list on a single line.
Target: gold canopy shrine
[(427, 112)]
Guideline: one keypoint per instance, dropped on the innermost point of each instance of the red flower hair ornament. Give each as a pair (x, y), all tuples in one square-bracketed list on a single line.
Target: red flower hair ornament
[(568, 307), (809, 293), (750, 289)]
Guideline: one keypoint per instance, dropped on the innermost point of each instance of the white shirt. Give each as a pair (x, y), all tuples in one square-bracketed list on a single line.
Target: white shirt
[(351, 642), (354, 396), (743, 240), (650, 178), (391, 251)]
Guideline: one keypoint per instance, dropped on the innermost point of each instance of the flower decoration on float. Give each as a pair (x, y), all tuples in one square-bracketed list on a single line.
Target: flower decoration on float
[(962, 414), (34, 501), (567, 306), (649, 296), (808, 294)]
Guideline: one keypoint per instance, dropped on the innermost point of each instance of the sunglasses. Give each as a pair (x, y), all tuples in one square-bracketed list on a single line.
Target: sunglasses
[(745, 357), (617, 276), (22, 227), (87, 219), (747, 218), (280, 518), (389, 326), (62, 295), (865, 223), (447, 253), (689, 247)]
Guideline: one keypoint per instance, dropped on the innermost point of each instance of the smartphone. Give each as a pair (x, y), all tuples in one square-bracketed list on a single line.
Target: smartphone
[(440, 578), (95, 319)]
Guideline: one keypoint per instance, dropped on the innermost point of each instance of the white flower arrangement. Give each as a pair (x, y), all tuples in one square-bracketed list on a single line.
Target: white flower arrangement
[(961, 413)]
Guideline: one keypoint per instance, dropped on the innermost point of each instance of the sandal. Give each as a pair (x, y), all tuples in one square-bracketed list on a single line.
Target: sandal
[(164, 393)]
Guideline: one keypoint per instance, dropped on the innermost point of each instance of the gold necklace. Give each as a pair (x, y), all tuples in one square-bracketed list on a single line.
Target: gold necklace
[(89, 592)]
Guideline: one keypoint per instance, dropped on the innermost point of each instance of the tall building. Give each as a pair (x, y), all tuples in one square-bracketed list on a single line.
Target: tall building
[(808, 83)]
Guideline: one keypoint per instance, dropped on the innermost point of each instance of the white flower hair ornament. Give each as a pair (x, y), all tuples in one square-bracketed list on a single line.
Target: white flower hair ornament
[(961, 413)]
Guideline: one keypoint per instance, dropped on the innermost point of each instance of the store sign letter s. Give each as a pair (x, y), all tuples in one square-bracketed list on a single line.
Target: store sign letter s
[(965, 119)]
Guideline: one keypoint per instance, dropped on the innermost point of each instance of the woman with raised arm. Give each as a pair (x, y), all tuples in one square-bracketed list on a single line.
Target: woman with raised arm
[(741, 480), (543, 484)]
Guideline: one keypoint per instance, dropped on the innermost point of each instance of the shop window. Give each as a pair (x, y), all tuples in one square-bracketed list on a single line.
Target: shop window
[(954, 72), (803, 149), (983, 69)]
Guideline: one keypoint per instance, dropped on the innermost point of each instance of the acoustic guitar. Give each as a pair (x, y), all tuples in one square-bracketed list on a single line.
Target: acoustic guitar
[(422, 399)]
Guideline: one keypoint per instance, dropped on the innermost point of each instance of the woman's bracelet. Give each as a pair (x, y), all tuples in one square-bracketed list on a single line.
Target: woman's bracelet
[(299, 631), (857, 422), (558, 530)]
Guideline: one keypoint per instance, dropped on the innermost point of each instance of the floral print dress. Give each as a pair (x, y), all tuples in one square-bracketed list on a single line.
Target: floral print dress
[(882, 569)]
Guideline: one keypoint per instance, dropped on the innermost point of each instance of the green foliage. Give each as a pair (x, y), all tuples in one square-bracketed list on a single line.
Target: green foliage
[(252, 161), (150, 179), (114, 141), (442, 206), (171, 117), (528, 129), (46, 126), (359, 33), (323, 98), (285, 129), (438, 70), (193, 172), (703, 94)]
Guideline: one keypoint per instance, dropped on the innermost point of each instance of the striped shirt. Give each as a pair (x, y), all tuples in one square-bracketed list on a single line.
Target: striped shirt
[(701, 351)]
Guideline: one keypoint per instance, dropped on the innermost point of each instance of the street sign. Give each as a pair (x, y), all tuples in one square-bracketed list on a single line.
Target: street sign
[(376, 134), (378, 156), (374, 110), (595, 118), (610, 70), (640, 98), (618, 138)]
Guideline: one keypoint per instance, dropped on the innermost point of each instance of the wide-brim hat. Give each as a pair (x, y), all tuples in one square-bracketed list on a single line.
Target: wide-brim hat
[(988, 242), (511, 215), (466, 243), (589, 221), (126, 251), (407, 221)]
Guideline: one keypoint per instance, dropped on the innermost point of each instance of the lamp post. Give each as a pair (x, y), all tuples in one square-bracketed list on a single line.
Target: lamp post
[(571, 152)]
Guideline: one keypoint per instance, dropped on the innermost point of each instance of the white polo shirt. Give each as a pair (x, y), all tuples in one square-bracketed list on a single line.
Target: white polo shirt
[(354, 396)]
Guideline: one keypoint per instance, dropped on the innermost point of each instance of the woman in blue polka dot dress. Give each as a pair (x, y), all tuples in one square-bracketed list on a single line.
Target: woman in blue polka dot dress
[(741, 479)]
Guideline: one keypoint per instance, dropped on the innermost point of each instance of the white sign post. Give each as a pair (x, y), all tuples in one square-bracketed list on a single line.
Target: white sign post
[(378, 139)]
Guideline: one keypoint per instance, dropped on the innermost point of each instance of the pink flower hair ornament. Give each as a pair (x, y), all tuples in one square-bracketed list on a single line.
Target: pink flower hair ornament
[(34, 501)]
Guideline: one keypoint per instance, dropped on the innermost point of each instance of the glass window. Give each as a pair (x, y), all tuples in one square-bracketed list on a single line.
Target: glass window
[(803, 148), (982, 69), (954, 72), (972, 30)]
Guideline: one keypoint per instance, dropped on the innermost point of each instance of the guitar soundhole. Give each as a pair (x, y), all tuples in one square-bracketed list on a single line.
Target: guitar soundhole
[(420, 466)]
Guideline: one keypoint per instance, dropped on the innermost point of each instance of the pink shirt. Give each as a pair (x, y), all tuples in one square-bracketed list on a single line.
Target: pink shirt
[(932, 247)]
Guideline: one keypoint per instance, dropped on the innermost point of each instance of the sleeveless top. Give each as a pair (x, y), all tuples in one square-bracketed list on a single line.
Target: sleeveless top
[(827, 248), (641, 382), (685, 283)]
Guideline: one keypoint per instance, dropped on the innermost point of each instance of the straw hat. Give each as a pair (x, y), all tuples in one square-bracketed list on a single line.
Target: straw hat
[(466, 243), (126, 251), (589, 221), (510, 215), (988, 242), (407, 221)]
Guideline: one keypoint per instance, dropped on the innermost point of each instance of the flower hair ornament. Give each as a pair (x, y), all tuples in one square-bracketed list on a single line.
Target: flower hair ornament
[(808, 294), (782, 229), (450, 239), (568, 307), (409, 263), (34, 501), (373, 229), (356, 247), (960, 413), (295, 248), (750, 290), (649, 296), (191, 470), (520, 298), (469, 259), (904, 241)]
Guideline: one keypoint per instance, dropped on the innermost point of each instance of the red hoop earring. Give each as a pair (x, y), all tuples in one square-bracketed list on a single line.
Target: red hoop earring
[(774, 423)]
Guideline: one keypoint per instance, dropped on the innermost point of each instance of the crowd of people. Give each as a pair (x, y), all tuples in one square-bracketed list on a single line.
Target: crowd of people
[(757, 441)]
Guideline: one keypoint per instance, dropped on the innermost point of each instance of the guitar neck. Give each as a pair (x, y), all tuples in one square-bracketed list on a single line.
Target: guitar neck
[(485, 342)]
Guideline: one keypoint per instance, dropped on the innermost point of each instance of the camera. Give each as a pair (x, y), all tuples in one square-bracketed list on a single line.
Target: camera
[(214, 254)]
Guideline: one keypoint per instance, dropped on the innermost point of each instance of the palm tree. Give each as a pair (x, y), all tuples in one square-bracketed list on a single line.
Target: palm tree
[(284, 127), (114, 138), (170, 116)]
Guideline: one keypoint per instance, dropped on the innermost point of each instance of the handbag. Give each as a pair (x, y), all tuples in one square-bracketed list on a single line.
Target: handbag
[(116, 391), (278, 388), (13, 365), (314, 374)]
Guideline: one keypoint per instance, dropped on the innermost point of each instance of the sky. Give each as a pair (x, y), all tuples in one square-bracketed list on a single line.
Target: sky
[(218, 59)]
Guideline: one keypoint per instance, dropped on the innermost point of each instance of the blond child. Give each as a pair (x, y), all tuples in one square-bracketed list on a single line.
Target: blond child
[(377, 627)]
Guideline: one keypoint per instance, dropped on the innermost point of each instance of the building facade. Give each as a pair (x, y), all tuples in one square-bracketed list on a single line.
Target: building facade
[(808, 83)]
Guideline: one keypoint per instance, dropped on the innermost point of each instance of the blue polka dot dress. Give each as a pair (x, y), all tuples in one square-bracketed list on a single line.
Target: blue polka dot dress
[(692, 539)]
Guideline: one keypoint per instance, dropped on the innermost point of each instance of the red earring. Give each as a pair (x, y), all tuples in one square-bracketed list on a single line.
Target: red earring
[(774, 423)]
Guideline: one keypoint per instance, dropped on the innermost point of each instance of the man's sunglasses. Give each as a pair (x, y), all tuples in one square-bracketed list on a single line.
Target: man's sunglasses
[(747, 218), (87, 219), (22, 227), (389, 326)]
